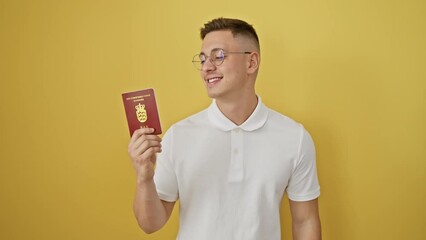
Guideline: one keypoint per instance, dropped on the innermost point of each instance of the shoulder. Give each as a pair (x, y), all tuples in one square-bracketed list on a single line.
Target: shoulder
[(281, 121), (286, 128), (187, 125), (196, 119)]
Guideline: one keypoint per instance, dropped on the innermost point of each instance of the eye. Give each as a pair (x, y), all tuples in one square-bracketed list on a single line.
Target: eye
[(202, 59), (219, 58), (219, 55)]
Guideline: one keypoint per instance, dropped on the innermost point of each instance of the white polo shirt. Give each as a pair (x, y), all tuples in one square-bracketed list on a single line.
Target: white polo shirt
[(230, 179)]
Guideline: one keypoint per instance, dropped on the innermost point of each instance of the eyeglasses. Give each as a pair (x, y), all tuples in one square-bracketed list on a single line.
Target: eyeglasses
[(217, 56)]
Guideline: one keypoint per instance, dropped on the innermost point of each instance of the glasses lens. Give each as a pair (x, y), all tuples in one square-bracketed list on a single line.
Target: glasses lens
[(218, 56), (202, 58), (198, 61)]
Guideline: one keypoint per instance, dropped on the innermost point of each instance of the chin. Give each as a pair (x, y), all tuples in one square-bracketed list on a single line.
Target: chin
[(217, 93), (210, 95)]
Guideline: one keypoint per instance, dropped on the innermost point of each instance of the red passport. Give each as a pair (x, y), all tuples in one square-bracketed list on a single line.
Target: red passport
[(141, 110)]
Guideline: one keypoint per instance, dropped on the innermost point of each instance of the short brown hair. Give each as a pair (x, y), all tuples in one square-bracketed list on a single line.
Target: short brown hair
[(236, 26)]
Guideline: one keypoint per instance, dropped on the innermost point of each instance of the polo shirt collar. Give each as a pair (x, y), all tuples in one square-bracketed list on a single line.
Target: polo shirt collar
[(256, 120)]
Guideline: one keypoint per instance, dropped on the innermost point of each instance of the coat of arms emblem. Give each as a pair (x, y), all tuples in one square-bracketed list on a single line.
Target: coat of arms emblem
[(141, 113)]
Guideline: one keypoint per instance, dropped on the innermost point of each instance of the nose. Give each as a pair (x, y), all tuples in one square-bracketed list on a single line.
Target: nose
[(208, 66)]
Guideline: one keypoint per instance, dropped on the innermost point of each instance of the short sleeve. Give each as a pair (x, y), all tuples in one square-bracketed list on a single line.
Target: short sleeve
[(303, 184), (165, 176)]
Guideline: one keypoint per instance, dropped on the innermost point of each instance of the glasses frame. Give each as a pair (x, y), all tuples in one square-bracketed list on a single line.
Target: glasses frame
[(198, 63)]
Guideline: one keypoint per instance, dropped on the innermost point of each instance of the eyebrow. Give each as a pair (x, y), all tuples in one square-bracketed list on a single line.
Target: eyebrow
[(212, 50)]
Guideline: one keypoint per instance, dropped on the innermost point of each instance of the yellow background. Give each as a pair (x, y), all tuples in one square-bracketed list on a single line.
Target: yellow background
[(353, 72)]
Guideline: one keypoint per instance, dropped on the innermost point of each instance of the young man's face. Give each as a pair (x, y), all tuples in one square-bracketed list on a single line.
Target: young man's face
[(229, 79)]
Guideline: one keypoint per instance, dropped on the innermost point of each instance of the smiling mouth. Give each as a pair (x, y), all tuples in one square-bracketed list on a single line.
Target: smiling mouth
[(212, 80)]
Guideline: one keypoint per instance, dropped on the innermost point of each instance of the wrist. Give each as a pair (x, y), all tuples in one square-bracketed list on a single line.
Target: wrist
[(144, 182)]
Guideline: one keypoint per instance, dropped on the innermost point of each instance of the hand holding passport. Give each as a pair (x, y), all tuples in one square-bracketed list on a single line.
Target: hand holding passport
[(141, 110)]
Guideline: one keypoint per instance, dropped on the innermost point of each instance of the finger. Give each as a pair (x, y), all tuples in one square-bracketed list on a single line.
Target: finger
[(141, 131), (149, 153), (135, 143), (145, 146), (148, 156), (141, 140)]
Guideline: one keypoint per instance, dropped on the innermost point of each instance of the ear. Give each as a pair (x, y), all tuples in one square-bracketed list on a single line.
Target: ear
[(253, 62)]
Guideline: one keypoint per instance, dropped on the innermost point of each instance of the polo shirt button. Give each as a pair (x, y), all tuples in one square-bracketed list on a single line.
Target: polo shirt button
[(235, 151), (237, 130)]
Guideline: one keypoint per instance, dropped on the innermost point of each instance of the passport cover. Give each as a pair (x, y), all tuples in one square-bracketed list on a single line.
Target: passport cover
[(141, 110)]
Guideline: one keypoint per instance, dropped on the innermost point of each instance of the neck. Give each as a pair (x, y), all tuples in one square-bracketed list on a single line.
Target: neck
[(238, 110)]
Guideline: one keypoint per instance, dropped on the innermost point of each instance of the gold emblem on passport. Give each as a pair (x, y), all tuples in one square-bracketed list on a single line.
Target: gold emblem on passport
[(141, 113)]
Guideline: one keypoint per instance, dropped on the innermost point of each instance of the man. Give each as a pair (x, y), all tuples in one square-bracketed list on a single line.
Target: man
[(230, 164)]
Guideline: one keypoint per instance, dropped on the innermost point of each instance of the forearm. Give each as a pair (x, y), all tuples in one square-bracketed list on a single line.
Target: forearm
[(307, 230), (148, 207)]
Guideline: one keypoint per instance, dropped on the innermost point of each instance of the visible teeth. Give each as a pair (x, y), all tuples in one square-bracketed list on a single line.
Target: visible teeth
[(213, 80)]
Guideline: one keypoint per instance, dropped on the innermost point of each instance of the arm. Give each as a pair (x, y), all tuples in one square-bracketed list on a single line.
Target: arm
[(306, 221), (150, 211)]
